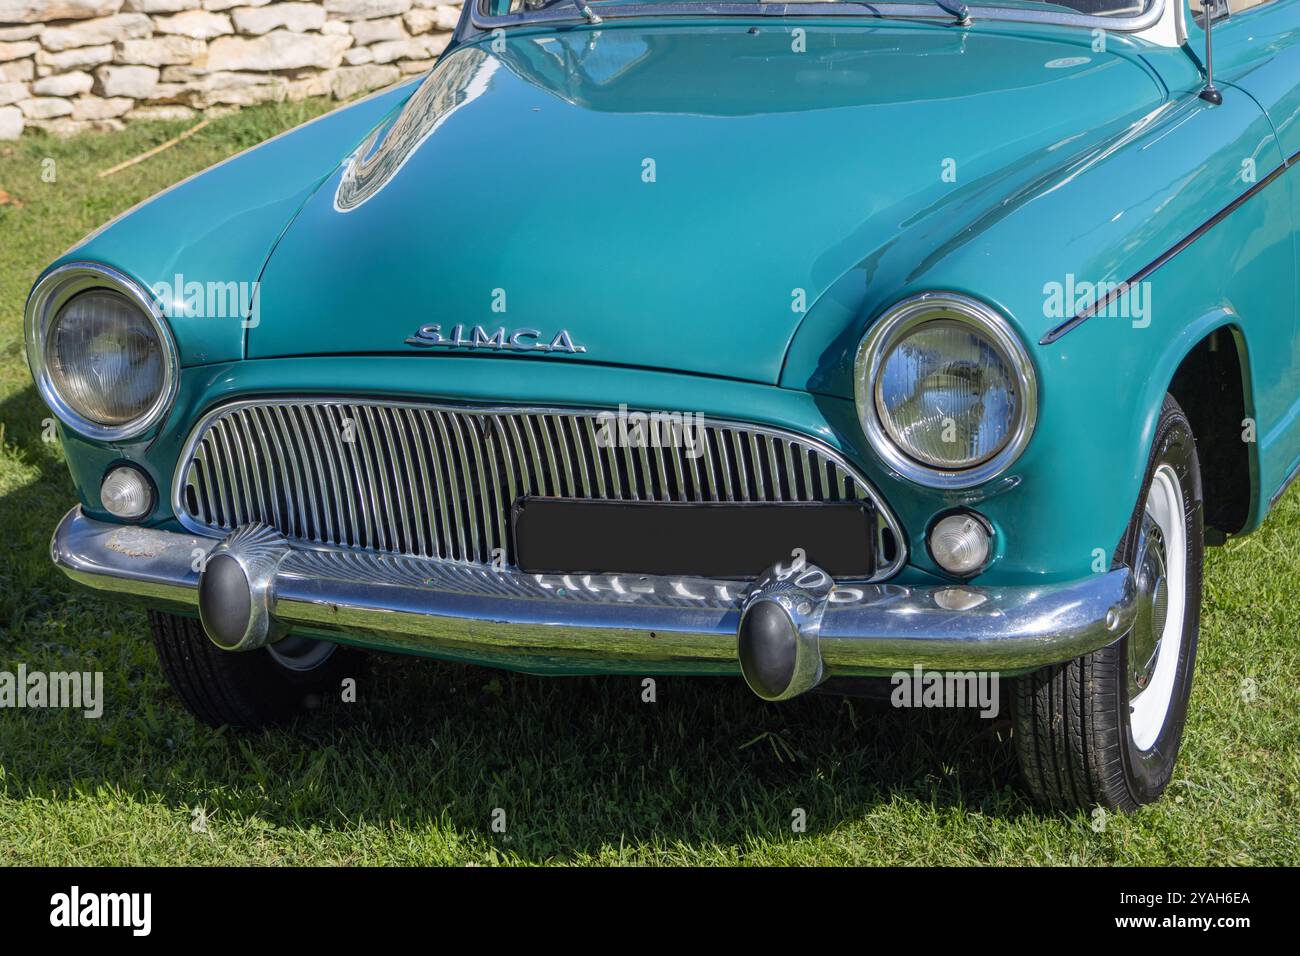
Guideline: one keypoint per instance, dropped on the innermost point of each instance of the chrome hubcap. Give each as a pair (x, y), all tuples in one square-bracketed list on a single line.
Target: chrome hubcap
[(301, 654), (1152, 607), (1155, 642)]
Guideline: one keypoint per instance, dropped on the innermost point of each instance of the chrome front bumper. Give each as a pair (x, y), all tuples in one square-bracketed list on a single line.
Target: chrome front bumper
[(614, 624)]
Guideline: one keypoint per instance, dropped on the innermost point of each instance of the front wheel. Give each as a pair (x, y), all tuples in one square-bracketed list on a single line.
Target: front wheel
[(1104, 729), (247, 689)]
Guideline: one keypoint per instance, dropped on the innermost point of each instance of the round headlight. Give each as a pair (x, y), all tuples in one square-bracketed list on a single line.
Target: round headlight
[(945, 390), (947, 395), (100, 353), (105, 358)]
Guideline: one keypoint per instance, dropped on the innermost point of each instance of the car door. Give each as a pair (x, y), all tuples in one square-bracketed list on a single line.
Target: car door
[(1256, 46)]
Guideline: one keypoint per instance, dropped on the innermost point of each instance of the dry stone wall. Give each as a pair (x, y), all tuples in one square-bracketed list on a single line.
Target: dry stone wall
[(74, 65)]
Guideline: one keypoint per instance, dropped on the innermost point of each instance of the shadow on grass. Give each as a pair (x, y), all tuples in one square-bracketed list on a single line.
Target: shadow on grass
[(580, 766), (28, 511)]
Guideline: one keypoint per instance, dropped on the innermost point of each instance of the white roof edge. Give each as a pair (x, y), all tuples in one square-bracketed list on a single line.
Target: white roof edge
[(1171, 28)]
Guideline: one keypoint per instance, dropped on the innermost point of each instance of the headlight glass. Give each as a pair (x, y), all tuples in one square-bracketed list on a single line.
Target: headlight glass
[(945, 390), (105, 358), (101, 353), (946, 395)]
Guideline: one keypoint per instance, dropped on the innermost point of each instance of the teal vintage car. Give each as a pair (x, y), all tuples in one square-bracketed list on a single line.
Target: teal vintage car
[(801, 341)]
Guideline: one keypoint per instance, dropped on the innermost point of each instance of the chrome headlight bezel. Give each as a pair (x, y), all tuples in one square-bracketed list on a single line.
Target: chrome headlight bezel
[(897, 323), (50, 295)]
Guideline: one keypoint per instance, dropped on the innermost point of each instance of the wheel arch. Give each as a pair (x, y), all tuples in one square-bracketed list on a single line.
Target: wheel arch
[(1211, 381)]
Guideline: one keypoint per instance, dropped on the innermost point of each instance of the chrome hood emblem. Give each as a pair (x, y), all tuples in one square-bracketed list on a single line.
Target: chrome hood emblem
[(499, 339)]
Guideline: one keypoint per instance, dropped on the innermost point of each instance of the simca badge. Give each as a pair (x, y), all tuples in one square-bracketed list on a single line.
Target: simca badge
[(518, 340)]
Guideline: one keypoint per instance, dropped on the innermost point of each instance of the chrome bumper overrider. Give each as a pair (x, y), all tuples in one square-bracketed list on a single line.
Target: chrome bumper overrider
[(607, 623)]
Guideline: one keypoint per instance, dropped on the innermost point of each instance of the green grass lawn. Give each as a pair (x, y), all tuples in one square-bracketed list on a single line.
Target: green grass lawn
[(585, 772)]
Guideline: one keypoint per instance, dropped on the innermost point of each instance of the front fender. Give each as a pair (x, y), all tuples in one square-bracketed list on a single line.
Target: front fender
[(220, 225), (1061, 509)]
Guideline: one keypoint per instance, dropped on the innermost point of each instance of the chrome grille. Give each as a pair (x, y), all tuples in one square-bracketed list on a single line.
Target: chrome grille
[(440, 481)]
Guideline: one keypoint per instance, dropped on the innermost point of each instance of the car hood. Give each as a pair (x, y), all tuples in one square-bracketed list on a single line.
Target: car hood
[(666, 197)]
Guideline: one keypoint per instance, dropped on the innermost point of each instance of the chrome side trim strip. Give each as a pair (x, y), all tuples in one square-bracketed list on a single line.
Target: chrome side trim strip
[(612, 624), (1069, 325)]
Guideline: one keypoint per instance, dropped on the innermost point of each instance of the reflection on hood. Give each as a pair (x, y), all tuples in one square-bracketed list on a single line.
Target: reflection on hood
[(629, 73), (460, 80)]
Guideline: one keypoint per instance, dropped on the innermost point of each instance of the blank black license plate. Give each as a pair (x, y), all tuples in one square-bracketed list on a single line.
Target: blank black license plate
[(728, 540)]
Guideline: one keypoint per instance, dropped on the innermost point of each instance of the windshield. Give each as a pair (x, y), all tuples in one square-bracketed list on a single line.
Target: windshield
[(1095, 8)]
